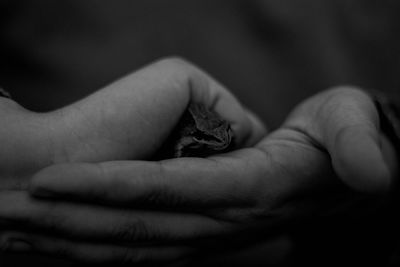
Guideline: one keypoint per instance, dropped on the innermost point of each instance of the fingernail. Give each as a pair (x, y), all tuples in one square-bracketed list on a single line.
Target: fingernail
[(19, 245)]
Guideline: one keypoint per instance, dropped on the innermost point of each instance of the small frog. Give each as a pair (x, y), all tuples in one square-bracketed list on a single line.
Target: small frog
[(201, 132)]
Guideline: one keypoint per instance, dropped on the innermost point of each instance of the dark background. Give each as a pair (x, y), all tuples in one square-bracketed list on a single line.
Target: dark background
[(271, 54)]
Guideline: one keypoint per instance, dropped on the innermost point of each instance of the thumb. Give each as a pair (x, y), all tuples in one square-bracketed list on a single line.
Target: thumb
[(346, 123), (350, 130), (357, 158)]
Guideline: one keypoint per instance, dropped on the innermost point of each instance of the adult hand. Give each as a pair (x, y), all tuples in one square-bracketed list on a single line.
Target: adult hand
[(162, 210), (129, 119)]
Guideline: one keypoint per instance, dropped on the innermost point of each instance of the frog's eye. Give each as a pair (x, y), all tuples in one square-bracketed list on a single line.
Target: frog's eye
[(212, 140), (201, 136)]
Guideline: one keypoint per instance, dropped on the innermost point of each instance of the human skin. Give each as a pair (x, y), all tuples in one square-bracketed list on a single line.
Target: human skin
[(129, 119), (112, 207)]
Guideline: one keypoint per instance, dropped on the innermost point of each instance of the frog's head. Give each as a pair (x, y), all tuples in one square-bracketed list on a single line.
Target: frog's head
[(214, 134), (204, 133)]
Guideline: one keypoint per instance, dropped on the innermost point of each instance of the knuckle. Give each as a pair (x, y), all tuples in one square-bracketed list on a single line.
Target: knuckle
[(357, 103), (178, 73), (179, 69), (156, 197), (163, 197), (346, 89), (340, 102), (348, 95), (175, 62), (187, 79), (136, 230)]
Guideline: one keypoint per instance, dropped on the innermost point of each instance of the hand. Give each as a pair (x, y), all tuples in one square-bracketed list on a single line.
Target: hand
[(129, 119), (165, 210)]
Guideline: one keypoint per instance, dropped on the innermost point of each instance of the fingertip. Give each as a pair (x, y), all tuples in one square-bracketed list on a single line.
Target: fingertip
[(375, 182), (231, 110), (359, 162), (258, 130), (41, 182), (48, 181)]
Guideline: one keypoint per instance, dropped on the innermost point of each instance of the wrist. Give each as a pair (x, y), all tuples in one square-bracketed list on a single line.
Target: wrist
[(26, 142)]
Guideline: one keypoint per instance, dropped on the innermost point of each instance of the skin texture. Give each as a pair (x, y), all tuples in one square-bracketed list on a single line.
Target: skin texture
[(328, 152), (118, 122)]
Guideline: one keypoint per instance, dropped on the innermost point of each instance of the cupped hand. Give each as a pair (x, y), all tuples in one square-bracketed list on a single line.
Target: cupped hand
[(131, 118), (128, 119), (139, 211)]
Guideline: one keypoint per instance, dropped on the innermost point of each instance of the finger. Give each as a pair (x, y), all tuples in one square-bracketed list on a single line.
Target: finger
[(257, 131), (103, 223), (89, 252), (347, 124), (145, 106), (229, 180)]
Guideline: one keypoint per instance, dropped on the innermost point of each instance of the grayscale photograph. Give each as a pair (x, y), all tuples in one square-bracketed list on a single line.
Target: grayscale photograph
[(199, 133)]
